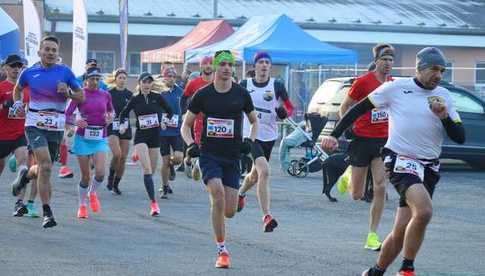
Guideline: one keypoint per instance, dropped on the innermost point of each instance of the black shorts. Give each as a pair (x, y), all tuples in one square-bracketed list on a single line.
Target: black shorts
[(402, 181), (170, 142), (9, 146), (363, 150), (227, 169), (128, 135), (38, 138), (262, 148), (151, 137)]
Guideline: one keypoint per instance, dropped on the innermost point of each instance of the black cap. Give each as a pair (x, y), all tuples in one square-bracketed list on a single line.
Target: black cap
[(93, 72), (91, 60), (12, 59), (145, 75)]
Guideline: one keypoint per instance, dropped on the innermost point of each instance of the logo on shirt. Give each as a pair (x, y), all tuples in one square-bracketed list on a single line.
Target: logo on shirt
[(251, 91), (35, 76), (408, 91)]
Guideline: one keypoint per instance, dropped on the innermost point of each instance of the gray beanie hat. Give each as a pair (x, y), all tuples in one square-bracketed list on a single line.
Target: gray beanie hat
[(429, 57)]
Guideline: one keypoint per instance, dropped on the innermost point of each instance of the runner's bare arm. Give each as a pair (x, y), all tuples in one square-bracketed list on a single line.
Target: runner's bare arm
[(346, 104), (253, 119), (187, 125)]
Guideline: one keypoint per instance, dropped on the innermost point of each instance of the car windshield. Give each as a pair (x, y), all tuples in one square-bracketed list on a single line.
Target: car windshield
[(327, 92)]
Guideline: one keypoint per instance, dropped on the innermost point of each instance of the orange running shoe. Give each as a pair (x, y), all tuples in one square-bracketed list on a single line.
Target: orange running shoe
[(406, 273), (154, 210), (65, 172), (82, 212), (223, 260), (135, 157), (94, 202), (269, 223)]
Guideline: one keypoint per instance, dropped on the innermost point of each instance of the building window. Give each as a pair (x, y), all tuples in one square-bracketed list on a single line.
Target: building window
[(448, 75), (153, 68), (134, 64), (106, 60), (480, 73)]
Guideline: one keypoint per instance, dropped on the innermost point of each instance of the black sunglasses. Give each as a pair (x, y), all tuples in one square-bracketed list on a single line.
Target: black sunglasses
[(16, 65)]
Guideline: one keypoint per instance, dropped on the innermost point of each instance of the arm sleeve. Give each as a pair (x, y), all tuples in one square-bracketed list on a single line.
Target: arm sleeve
[(454, 130), (110, 107), (355, 112), (280, 91), (183, 104), (126, 110), (70, 117)]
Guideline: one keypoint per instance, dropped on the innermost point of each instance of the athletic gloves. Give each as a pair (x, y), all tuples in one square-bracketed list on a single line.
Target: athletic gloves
[(281, 112)]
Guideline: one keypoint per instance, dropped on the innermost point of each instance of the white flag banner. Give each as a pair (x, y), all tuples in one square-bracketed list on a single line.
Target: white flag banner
[(79, 37), (32, 32)]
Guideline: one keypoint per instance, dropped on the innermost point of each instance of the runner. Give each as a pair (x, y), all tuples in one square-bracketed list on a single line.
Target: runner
[(90, 142), (48, 83), (270, 99), (419, 113), (192, 87), (222, 102), (370, 131), (118, 143), (12, 135), (148, 107), (170, 139)]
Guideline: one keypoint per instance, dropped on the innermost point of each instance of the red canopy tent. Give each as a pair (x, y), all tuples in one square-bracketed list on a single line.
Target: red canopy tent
[(205, 33)]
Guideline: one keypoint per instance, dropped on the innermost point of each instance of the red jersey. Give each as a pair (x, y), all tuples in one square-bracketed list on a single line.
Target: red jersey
[(10, 129), (372, 124), (192, 87)]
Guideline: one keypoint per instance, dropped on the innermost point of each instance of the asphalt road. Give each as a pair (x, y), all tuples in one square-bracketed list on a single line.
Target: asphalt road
[(315, 236)]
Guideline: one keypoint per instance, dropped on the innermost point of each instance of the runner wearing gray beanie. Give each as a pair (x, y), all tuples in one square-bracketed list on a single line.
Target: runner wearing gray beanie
[(429, 57)]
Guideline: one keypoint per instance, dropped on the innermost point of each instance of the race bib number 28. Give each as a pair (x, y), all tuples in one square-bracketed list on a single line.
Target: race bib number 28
[(410, 166), (220, 128)]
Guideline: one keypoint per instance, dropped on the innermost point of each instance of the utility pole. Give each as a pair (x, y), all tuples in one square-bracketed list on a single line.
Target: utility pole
[(214, 8)]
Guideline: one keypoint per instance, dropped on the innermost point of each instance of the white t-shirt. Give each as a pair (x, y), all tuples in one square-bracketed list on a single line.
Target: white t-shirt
[(414, 130)]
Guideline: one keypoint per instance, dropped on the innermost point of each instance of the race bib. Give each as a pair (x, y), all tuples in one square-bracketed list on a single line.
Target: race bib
[(409, 165), (220, 128), (148, 121), (49, 120), (264, 116), (173, 122), (116, 124), (378, 116), (93, 133)]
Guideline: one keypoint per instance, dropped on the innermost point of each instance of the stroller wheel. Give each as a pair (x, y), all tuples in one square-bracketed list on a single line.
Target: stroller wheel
[(301, 168), (292, 169)]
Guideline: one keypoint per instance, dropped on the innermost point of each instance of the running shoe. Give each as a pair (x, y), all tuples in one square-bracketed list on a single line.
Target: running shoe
[(172, 173), (406, 273), (65, 172), (109, 186), (269, 223), (241, 202), (154, 210), (164, 192), (116, 191), (196, 170), (94, 202), (82, 212), (32, 212), (20, 181), (20, 209), (169, 189), (343, 181), (49, 221), (188, 169), (223, 260), (134, 157), (373, 242)]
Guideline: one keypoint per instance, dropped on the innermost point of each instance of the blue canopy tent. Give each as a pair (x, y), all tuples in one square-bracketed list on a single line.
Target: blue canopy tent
[(285, 41), (9, 35)]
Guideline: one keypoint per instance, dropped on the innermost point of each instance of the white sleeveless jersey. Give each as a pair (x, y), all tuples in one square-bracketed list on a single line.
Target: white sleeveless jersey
[(265, 102)]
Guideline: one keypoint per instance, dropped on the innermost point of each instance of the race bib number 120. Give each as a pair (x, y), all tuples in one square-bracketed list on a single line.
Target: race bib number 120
[(220, 128), (409, 165)]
